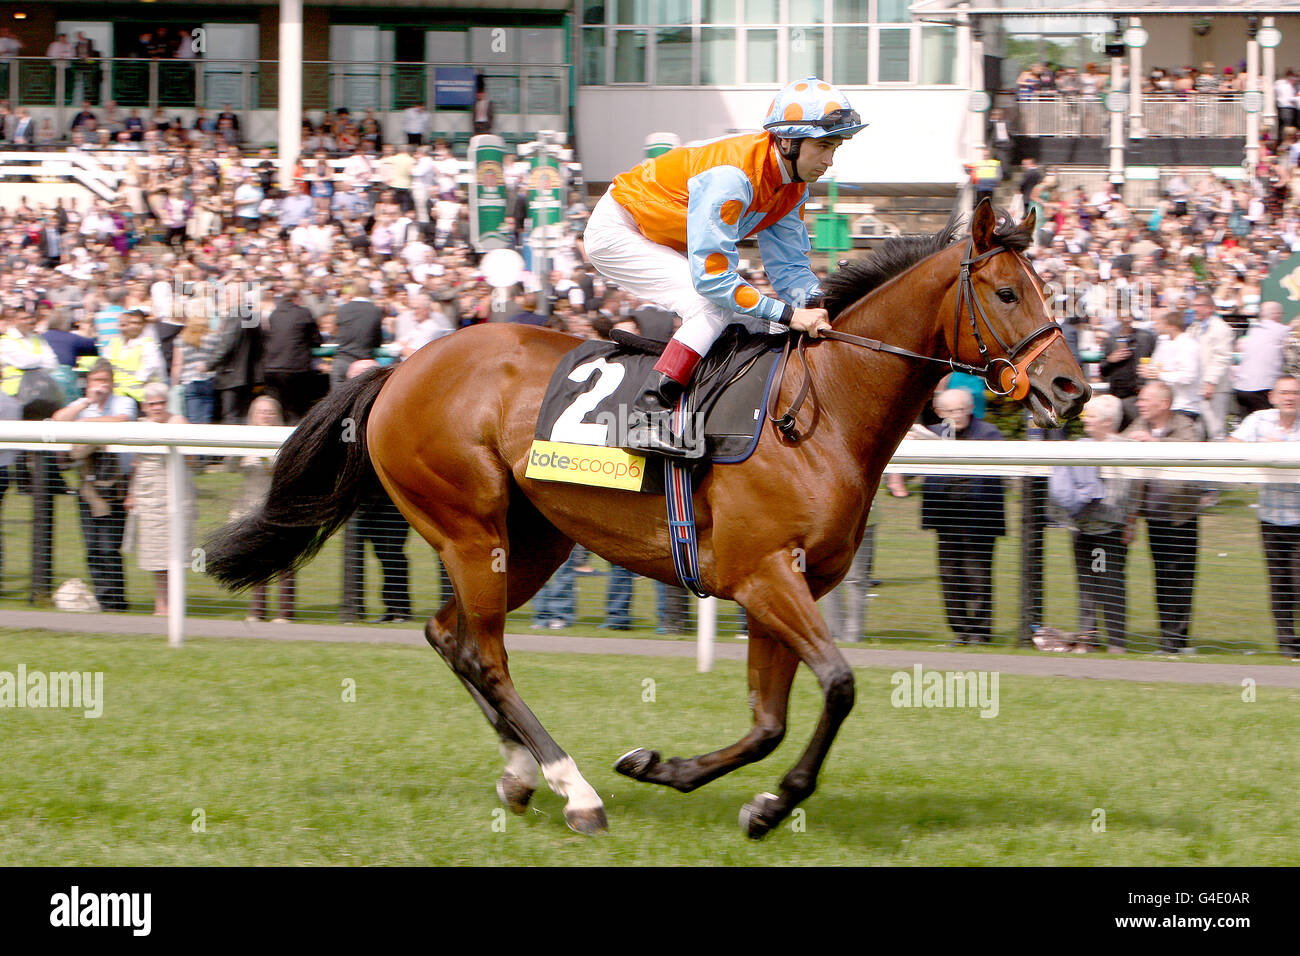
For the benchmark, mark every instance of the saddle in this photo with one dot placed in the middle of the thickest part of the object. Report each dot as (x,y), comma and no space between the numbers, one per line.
(592,390)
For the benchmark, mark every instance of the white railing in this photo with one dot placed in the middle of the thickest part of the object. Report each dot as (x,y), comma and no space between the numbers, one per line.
(1174,115)
(1193,461)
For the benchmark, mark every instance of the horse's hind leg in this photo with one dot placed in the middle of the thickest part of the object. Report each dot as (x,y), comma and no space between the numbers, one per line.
(518,781)
(477,560)
(771,673)
(549,549)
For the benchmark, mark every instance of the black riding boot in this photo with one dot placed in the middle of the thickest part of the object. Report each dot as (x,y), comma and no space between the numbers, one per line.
(650,427)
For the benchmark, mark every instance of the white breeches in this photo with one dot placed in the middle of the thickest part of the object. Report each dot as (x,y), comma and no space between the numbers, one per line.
(657,274)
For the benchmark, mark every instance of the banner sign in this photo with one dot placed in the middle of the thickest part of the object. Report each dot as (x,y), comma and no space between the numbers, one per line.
(454,86)
(585,465)
(545,190)
(488,196)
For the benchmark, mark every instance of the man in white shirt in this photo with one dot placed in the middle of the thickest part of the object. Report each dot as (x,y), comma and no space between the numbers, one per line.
(248,198)
(1279,511)
(422,182)
(1215,339)
(1176,362)
(60,49)
(1284,92)
(1261,359)
(358,169)
(415,124)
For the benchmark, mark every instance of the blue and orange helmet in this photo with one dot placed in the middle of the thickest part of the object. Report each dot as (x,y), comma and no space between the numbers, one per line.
(811,109)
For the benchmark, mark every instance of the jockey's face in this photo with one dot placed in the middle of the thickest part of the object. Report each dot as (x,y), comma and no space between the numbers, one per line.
(816,155)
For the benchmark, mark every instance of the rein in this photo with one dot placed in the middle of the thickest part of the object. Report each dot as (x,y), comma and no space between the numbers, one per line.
(1012,376)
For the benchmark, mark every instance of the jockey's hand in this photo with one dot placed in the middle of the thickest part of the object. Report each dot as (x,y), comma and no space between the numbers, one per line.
(812,321)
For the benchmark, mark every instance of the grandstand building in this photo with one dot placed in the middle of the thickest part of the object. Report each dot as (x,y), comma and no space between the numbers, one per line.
(926,74)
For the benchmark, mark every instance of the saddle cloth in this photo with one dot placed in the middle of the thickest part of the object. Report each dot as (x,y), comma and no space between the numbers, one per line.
(593,389)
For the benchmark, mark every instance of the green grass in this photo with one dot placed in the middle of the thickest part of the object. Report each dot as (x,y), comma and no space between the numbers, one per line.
(257,736)
(1231,612)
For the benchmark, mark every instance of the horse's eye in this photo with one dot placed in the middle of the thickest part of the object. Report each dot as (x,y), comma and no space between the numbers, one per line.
(1007,295)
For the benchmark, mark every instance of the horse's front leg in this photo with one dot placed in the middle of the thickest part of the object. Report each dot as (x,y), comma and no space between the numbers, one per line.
(771,672)
(780,599)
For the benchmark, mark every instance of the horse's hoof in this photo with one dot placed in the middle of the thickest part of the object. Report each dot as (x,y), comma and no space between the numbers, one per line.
(757,817)
(636,763)
(514,793)
(589,822)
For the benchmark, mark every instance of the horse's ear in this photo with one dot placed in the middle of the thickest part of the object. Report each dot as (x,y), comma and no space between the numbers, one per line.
(1028,226)
(983,226)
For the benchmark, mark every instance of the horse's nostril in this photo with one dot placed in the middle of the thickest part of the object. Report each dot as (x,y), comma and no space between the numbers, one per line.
(1070,389)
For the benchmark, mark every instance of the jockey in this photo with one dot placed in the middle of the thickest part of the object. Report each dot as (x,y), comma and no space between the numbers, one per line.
(668,231)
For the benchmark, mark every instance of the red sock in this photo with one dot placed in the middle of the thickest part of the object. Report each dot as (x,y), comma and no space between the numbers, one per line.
(678,362)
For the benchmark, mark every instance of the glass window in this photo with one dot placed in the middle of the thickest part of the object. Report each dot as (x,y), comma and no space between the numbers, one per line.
(761,11)
(670,12)
(807,11)
(503,91)
(629,55)
(593,11)
(760,56)
(805,58)
(445,46)
(851,64)
(541,45)
(895,56)
(938,54)
(851,11)
(717,56)
(673,57)
(593,56)
(892,11)
(632,11)
(718,11)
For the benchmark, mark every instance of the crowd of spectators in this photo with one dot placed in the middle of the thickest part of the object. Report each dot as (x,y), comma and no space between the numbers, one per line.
(1093,80)
(204,276)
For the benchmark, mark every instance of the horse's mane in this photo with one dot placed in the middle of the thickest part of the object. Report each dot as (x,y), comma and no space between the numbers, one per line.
(899,253)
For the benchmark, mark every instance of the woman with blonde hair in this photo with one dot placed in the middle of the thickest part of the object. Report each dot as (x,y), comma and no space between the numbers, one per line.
(194,360)
(265,411)
(147,501)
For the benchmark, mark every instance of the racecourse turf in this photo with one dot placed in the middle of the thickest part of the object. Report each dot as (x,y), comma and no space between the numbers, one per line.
(244,752)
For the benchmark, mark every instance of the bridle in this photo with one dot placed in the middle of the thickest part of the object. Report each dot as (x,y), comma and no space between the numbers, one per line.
(1005,375)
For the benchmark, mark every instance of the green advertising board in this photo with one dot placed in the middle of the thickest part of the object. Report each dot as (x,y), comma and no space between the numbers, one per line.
(488,196)
(832,228)
(1283,285)
(545,189)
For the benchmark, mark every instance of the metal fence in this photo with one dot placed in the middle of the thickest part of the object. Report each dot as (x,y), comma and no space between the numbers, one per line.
(1164,115)
(908,584)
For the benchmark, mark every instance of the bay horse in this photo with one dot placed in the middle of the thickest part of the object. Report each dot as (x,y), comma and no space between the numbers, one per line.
(447,435)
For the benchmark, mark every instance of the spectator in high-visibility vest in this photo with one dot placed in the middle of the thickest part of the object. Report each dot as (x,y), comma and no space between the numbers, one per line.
(985,174)
(22,350)
(136,357)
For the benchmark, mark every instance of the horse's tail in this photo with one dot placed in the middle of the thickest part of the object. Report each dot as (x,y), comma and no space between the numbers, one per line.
(323,472)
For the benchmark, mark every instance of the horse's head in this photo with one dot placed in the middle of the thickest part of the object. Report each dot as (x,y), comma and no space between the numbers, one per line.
(1002,323)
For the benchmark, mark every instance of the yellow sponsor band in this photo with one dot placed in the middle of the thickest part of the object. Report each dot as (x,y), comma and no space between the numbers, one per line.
(585,465)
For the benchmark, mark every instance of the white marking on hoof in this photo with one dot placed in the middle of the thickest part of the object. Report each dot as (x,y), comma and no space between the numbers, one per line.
(563,777)
(520,762)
